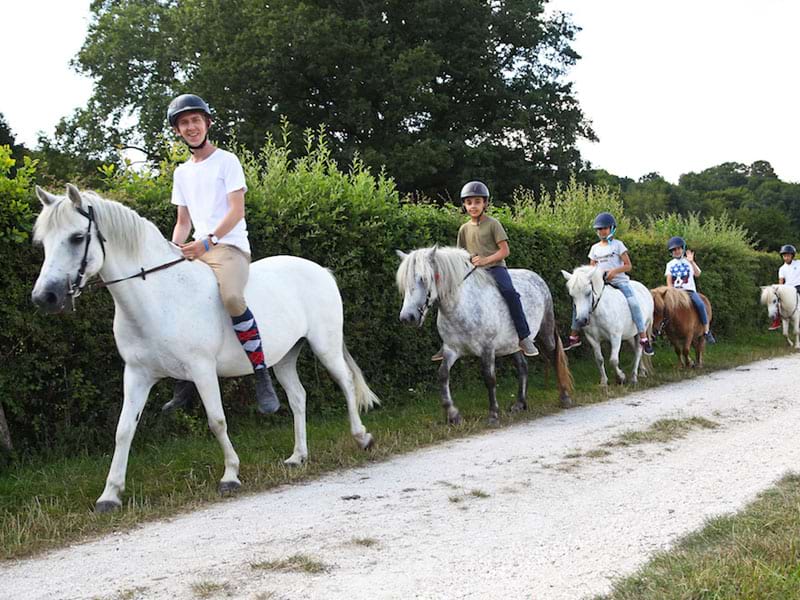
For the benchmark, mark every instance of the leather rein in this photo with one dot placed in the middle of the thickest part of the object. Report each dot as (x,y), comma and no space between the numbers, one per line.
(75,288)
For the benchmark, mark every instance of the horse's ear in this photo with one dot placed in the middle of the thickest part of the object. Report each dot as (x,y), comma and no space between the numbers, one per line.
(567,275)
(74,195)
(400,254)
(45,197)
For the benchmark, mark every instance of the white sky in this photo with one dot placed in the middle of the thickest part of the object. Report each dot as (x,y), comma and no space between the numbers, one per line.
(671,87)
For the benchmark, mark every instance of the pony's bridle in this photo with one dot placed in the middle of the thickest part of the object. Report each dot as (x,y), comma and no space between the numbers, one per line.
(75,288)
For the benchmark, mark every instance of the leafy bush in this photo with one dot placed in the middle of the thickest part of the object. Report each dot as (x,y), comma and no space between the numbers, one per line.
(61,376)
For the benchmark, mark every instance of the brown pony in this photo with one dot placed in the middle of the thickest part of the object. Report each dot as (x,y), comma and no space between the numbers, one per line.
(675,315)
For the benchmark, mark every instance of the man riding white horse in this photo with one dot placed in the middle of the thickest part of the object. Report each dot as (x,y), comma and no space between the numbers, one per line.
(208,190)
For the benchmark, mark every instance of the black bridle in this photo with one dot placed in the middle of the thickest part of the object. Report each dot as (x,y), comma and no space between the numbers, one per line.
(75,288)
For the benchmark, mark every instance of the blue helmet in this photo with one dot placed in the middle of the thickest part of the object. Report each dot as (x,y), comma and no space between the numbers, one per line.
(788,249)
(676,242)
(604,219)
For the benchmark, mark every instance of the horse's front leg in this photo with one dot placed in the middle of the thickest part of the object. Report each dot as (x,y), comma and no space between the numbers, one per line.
(137,384)
(490,379)
(205,378)
(598,358)
(450,410)
(785,326)
(522,379)
(613,358)
(796,332)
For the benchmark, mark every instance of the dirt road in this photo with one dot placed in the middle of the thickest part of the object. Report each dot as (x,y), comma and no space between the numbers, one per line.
(503,515)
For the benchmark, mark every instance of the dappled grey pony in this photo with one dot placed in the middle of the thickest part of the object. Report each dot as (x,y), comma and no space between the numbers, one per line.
(603,314)
(169,320)
(474,319)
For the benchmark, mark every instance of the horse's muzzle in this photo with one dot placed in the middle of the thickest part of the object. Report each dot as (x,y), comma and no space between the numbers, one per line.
(51,299)
(409,318)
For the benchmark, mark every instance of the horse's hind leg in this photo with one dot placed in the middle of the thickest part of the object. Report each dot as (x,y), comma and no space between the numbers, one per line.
(490,379)
(137,384)
(286,372)
(205,378)
(334,361)
(522,379)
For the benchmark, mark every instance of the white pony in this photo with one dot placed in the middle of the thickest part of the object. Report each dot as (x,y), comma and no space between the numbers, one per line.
(171,323)
(474,320)
(786,299)
(603,313)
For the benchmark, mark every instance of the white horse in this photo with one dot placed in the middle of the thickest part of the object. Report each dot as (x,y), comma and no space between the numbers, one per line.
(474,320)
(603,314)
(784,300)
(171,323)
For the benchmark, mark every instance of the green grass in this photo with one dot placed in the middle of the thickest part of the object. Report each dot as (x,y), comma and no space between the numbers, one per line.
(752,554)
(297,563)
(48,503)
(662,431)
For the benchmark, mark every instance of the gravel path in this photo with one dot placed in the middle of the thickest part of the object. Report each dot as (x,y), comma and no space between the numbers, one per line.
(502,515)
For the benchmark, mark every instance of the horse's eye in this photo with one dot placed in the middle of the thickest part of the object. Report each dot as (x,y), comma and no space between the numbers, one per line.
(76,238)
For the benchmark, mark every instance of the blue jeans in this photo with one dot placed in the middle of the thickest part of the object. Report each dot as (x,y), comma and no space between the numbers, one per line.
(699,305)
(636,312)
(511,297)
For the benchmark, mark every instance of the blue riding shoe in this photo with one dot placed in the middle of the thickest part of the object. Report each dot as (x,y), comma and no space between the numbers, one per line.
(268,402)
(710,337)
(647,347)
(573,341)
(528,348)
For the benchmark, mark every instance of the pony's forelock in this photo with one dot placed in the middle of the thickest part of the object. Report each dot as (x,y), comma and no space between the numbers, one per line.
(581,277)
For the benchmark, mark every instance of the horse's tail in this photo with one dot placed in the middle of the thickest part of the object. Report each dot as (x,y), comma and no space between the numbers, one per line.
(563,374)
(365,397)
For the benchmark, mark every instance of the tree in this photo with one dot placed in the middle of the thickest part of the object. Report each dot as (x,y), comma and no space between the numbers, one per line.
(18,151)
(438,91)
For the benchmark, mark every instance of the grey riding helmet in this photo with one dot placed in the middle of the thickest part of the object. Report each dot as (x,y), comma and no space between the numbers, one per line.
(185,103)
(788,249)
(475,188)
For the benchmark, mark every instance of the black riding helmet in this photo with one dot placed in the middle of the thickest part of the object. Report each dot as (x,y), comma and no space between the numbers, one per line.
(475,188)
(185,103)
(788,249)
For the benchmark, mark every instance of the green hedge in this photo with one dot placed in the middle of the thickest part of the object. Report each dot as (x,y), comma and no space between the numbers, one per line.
(61,377)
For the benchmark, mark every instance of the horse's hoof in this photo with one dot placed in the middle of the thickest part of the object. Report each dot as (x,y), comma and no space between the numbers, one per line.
(518,407)
(566,401)
(454,419)
(295,461)
(367,442)
(228,487)
(106,506)
(493,421)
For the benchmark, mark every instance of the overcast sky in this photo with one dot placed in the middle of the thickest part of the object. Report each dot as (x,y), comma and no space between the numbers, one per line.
(670,87)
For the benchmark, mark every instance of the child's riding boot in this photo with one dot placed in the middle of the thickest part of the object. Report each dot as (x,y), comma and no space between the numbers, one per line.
(776,323)
(183,396)
(268,402)
(438,356)
(710,337)
(573,341)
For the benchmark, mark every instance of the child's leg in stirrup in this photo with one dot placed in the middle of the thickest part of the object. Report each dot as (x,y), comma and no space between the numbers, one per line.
(700,307)
(511,297)
(636,314)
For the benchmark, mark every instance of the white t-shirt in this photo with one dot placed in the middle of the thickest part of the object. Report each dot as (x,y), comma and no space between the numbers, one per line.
(682,274)
(609,256)
(790,273)
(203,188)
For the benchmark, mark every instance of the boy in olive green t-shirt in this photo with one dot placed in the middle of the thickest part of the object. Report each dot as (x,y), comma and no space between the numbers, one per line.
(486,241)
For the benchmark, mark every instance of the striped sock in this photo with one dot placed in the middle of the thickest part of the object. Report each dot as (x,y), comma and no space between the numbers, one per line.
(247,332)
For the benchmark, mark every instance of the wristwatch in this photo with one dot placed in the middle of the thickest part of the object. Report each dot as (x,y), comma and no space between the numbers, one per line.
(214,239)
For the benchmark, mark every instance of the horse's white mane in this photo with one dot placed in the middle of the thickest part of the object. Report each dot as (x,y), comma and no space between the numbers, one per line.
(784,293)
(450,264)
(582,277)
(120,225)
